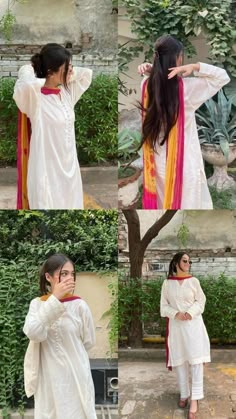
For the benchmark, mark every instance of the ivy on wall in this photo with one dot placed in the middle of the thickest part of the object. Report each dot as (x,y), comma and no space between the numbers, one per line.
(8,19)
(212,18)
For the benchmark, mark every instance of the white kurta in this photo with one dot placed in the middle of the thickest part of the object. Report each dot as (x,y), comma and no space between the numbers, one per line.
(188,339)
(197,90)
(53,179)
(65,387)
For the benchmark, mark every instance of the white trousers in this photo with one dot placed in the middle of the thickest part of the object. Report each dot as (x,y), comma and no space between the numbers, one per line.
(197,381)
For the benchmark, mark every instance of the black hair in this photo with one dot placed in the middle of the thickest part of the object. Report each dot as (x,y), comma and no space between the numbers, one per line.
(174,262)
(54,262)
(50,59)
(163,93)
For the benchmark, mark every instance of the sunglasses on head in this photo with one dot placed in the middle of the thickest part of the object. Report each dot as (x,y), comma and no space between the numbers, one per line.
(187,261)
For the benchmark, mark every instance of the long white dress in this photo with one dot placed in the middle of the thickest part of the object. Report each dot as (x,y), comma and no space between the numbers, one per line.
(64,387)
(54,179)
(188,339)
(197,90)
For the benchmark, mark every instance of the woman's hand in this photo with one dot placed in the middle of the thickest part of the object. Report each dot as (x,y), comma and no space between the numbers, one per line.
(64,287)
(145,68)
(188,316)
(180,316)
(185,70)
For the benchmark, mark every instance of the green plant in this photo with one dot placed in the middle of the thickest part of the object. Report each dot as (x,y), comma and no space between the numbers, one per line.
(128,143)
(217,123)
(8,19)
(8,126)
(221,199)
(183,234)
(151,19)
(114,320)
(96,121)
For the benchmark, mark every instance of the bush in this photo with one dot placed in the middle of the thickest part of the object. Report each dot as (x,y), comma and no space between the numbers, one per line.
(95,124)
(219,315)
(88,237)
(96,121)
(8,125)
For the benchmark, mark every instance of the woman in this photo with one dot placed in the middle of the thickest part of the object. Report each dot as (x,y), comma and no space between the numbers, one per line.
(187,342)
(60,328)
(174,175)
(47,91)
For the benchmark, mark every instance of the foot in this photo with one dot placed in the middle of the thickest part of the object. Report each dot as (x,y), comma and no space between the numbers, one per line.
(193,409)
(183,403)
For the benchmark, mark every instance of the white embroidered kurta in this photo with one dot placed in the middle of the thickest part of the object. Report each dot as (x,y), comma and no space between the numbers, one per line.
(197,90)
(65,387)
(53,179)
(188,339)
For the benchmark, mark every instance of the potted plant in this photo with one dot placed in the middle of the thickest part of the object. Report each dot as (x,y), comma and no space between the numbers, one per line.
(217,134)
(128,174)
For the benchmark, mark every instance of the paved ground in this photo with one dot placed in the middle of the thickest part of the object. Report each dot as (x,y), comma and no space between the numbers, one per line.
(149,391)
(100,187)
(103,412)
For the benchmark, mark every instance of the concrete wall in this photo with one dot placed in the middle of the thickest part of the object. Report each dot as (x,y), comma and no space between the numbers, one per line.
(89,27)
(211,242)
(93,288)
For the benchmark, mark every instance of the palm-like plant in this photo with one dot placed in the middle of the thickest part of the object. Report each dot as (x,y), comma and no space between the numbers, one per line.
(217,123)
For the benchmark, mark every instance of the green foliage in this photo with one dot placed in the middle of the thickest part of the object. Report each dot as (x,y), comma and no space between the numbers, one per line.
(183,234)
(18,285)
(8,125)
(151,19)
(96,121)
(219,315)
(114,319)
(6,24)
(221,199)
(217,123)
(95,124)
(89,238)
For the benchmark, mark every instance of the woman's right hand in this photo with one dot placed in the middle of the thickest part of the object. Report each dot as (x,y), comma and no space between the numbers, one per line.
(66,286)
(180,316)
(145,68)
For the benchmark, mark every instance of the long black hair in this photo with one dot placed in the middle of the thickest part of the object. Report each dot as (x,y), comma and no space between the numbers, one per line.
(50,59)
(174,262)
(163,93)
(54,262)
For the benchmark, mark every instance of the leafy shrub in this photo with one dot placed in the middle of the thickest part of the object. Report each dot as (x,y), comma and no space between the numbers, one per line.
(88,237)
(95,125)
(96,121)
(219,315)
(8,125)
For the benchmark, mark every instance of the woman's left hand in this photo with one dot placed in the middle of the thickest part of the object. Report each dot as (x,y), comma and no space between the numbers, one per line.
(188,316)
(185,70)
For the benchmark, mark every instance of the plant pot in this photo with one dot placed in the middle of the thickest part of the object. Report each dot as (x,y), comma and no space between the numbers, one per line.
(213,155)
(128,190)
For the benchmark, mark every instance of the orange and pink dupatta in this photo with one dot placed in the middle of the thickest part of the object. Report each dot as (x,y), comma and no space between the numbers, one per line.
(23,141)
(174,161)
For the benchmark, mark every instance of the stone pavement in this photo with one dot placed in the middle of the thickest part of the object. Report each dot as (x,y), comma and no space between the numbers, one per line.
(149,391)
(103,412)
(100,187)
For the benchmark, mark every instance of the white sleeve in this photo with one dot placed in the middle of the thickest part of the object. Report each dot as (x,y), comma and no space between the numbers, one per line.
(79,82)
(26,90)
(88,330)
(200,300)
(41,316)
(166,309)
(208,81)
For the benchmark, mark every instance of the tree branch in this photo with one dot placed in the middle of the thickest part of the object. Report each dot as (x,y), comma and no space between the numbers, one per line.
(154,230)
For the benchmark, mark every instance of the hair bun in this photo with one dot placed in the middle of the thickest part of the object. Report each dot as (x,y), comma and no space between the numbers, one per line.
(36,61)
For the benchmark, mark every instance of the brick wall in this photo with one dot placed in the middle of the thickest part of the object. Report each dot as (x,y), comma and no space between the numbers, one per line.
(14,56)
